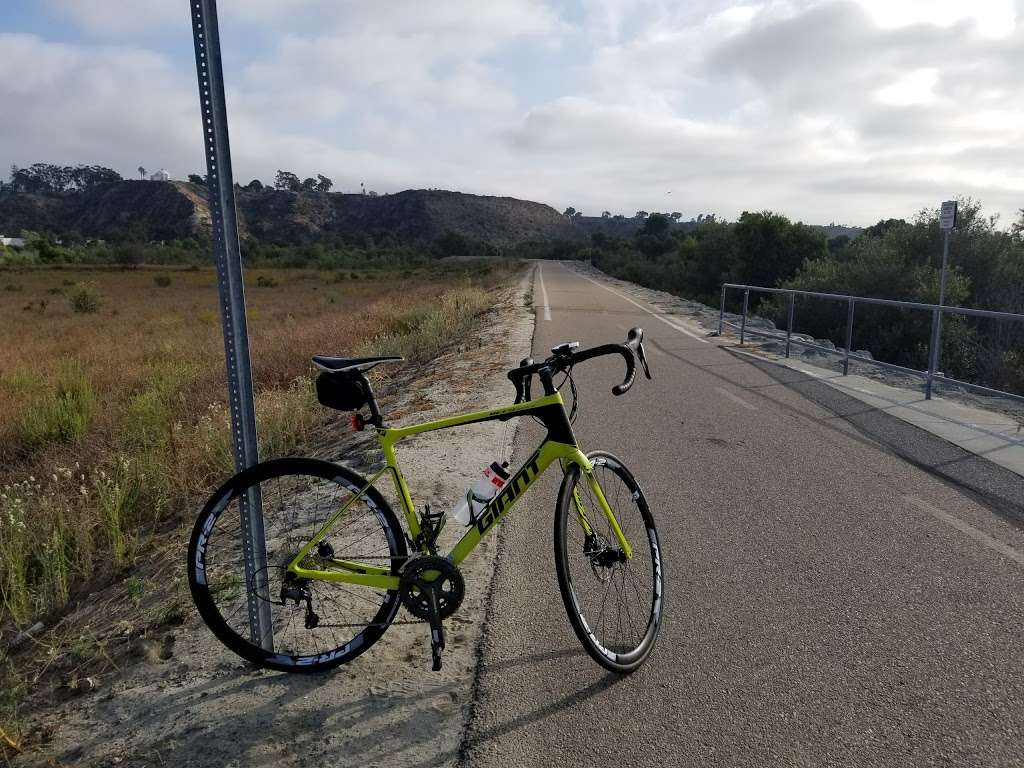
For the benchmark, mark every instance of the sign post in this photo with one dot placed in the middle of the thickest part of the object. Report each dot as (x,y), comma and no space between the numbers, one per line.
(226,253)
(947,222)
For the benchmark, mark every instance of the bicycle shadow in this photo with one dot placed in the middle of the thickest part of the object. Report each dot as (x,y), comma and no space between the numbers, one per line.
(256,718)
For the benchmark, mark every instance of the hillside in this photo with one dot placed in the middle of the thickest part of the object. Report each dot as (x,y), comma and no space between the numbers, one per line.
(152,210)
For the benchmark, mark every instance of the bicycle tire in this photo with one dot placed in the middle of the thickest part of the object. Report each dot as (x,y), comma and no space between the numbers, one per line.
(625,650)
(216,582)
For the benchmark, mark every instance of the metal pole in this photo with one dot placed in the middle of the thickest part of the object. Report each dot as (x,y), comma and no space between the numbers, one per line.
(221,194)
(849,336)
(789,323)
(743,323)
(721,312)
(936,338)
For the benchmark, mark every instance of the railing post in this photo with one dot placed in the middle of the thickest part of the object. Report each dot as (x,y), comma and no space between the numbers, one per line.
(933,352)
(849,336)
(721,312)
(743,322)
(789,323)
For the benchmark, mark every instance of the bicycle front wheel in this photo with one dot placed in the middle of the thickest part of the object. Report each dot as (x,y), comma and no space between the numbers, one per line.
(614,602)
(314,625)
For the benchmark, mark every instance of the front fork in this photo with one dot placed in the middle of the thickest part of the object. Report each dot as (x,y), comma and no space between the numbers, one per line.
(602,502)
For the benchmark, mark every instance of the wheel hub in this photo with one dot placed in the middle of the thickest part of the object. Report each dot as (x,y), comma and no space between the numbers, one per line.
(603,556)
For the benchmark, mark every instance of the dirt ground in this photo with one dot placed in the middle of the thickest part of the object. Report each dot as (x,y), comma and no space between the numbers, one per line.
(183,699)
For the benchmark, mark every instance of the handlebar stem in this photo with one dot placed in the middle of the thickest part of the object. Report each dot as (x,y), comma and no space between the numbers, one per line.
(547,380)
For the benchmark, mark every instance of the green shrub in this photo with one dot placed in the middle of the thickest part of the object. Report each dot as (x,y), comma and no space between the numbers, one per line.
(61,414)
(162,281)
(150,412)
(12,287)
(85,299)
(266,281)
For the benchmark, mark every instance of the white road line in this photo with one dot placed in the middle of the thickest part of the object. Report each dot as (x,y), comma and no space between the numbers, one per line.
(544,292)
(735,398)
(970,530)
(658,315)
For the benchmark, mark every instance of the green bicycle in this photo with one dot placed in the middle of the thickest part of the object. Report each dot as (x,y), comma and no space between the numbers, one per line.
(338,563)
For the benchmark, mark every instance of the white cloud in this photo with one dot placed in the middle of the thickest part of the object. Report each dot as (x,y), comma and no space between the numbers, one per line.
(824,110)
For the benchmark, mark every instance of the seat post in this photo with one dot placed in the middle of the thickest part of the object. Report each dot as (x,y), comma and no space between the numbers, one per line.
(375,418)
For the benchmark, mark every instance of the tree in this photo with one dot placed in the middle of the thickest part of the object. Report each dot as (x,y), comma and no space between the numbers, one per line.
(771,248)
(676,216)
(606,214)
(86,176)
(640,215)
(195,178)
(286,180)
(653,239)
(569,212)
(142,173)
(254,186)
(451,243)
(323,183)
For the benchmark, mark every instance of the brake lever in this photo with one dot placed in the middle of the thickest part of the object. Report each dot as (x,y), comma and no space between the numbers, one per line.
(643,359)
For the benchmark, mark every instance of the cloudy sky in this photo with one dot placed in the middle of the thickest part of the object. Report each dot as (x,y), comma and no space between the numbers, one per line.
(827,111)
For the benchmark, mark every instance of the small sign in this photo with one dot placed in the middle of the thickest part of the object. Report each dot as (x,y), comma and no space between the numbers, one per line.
(947,215)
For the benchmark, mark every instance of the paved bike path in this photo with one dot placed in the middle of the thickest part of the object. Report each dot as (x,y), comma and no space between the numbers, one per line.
(826,601)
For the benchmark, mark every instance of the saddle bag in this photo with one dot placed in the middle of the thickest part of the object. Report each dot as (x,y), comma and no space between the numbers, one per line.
(341,391)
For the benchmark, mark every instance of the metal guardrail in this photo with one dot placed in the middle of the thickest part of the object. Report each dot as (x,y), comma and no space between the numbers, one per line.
(935,338)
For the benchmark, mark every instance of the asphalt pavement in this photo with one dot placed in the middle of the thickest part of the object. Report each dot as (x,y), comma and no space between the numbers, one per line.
(827,601)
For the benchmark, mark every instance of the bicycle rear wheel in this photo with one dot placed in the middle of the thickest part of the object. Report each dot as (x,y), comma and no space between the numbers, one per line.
(315,625)
(614,603)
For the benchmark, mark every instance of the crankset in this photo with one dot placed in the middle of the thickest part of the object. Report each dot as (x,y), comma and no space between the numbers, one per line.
(432,588)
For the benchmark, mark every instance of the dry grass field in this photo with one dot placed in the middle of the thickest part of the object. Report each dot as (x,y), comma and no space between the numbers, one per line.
(113,424)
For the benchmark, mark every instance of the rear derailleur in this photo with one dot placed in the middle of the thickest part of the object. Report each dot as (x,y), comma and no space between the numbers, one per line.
(296,589)
(432,588)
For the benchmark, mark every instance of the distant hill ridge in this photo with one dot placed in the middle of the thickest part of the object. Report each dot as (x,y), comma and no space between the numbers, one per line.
(170,210)
(155,210)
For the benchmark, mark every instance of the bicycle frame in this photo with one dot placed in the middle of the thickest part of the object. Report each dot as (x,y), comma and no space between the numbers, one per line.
(559,445)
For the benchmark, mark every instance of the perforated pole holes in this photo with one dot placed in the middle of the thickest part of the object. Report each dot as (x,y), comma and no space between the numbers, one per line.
(220,192)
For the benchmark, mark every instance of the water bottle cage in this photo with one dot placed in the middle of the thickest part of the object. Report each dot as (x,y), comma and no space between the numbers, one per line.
(472,497)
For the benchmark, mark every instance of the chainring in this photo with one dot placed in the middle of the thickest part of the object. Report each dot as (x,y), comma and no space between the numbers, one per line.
(429,572)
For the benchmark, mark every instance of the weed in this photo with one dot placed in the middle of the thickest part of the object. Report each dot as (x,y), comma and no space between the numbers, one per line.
(135,588)
(285,417)
(117,496)
(421,333)
(61,414)
(15,548)
(12,691)
(150,412)
(12,287)
(162,281)
(55,291)
(85,299)
(266,281)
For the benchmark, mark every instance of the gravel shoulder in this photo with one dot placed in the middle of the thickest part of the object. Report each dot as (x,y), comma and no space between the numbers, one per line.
(182,699)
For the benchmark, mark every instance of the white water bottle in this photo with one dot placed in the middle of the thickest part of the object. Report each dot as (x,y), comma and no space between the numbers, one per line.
(481,492)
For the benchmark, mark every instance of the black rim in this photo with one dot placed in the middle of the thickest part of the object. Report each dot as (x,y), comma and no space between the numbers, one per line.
(616,602)
(315,624)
